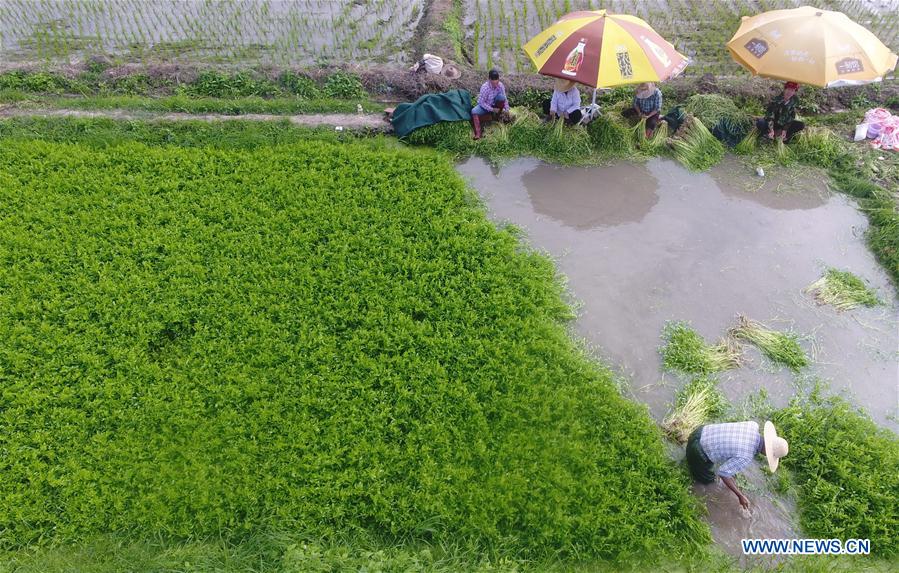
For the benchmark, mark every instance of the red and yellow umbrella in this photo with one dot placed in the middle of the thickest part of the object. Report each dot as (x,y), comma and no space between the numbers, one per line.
(598,49)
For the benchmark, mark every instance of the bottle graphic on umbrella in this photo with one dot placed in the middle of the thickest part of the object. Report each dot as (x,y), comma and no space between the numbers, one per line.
(574,59)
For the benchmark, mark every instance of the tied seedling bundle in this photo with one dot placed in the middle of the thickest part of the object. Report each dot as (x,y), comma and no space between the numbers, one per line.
(716,110)
(748,144)
(610,133)
(638,133)
(697,403)
(817,146)
(781,153)
(568,143)
(779,347)
(686,351)
(654,144)
(695,146)
(842,290)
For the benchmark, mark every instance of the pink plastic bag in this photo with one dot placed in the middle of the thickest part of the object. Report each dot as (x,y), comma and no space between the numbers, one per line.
(875,119)
(889,135)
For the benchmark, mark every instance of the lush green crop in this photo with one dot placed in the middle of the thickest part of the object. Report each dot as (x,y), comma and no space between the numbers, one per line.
(319,337)
(847,472)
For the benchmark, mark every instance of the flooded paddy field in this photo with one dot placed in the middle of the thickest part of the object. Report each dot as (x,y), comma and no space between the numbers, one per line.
(229,31)
(697,28)
(643,244)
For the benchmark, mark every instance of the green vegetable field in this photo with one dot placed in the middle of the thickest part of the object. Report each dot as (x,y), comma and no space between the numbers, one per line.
(326,338)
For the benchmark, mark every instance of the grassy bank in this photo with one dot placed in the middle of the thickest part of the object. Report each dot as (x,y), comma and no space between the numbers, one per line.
(201,91)
(204,82)
(326,338)
(846,470)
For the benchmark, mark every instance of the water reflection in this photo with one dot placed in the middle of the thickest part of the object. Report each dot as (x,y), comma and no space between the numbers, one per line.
(581,199)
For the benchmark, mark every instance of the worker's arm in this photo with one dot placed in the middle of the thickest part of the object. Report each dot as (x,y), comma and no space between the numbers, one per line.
(732,485)
(769,117)
(554,105)
(484,99)
(728,470)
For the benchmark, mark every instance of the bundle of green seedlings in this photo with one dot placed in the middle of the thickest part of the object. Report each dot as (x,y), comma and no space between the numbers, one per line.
(695,147)
(713,109)
(686,351)
(697,403)
(611,136)
(553,141)
(748,144)
(842,290)
(652,145)
(638,133)
(817,146)
(783,155)
(657,143)
(779,347)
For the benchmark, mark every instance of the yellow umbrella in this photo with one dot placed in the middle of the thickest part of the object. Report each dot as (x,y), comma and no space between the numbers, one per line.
(598,49)
(810,46)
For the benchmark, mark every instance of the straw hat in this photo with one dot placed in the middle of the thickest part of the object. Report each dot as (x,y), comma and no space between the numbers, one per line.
(451,71)
(775,446)
(646,89)
(563,85)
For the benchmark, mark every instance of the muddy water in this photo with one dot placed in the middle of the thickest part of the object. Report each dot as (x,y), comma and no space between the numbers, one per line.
(642,244)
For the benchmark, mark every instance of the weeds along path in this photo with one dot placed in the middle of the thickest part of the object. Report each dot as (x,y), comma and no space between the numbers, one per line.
(345,120)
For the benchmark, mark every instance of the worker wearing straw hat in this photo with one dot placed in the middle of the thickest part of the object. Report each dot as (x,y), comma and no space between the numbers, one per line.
(732,447)
(647,105)
(565,103)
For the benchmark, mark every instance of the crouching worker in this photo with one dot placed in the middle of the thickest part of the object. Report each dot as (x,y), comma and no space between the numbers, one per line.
(491,100)
(647,105)
(732,448)
(565,103)
(780,118)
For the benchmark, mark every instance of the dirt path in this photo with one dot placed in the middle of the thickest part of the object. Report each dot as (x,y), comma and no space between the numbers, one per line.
(336,120)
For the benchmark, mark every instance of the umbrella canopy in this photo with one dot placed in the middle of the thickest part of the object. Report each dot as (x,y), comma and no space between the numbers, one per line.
(598,49)
(810,46)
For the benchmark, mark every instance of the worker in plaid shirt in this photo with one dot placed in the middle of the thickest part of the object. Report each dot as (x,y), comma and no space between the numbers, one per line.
(732,447)
(491,100)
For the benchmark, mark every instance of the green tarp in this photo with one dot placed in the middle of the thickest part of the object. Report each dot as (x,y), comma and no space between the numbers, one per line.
(429,109)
